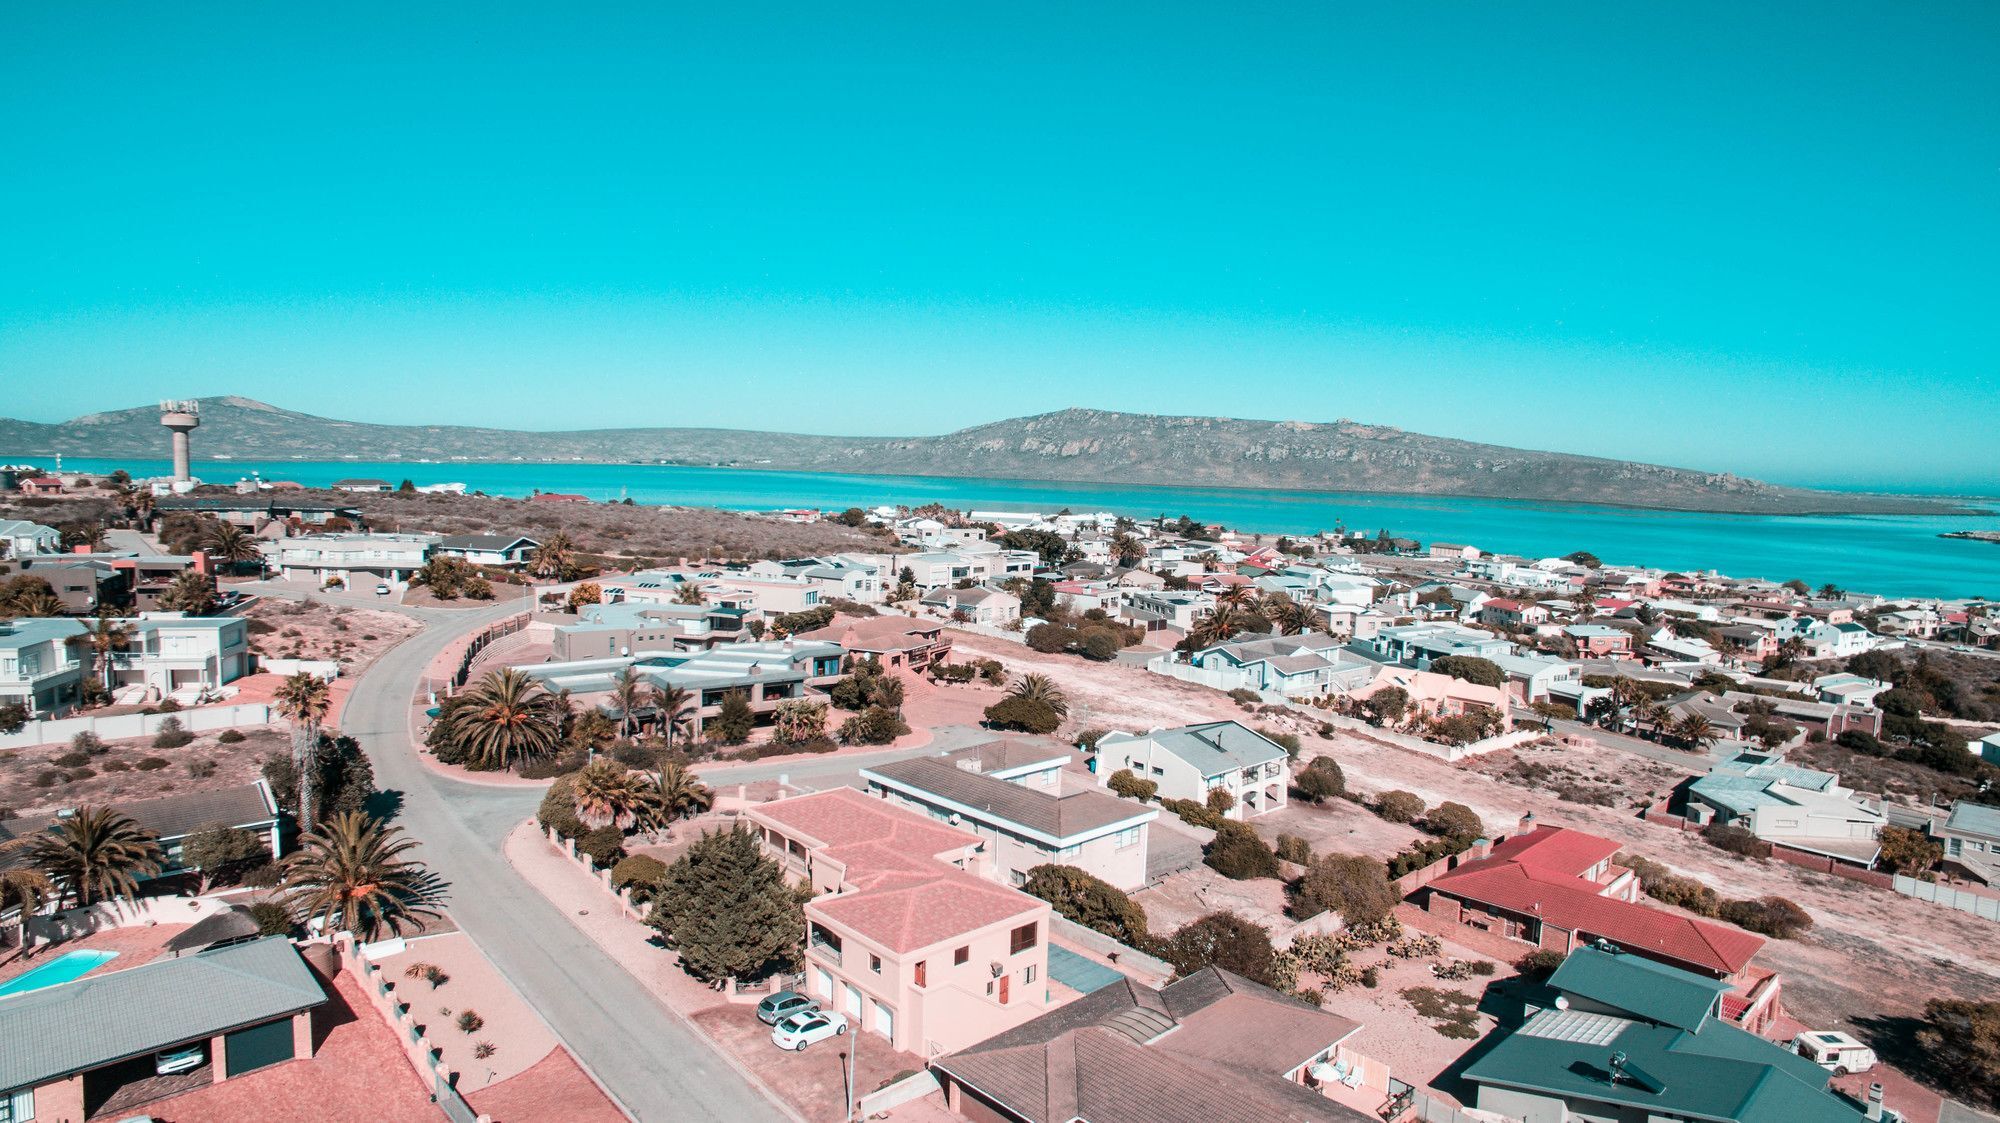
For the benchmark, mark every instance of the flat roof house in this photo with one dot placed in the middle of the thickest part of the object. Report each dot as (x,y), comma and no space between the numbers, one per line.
(1191,760)
(1025,822)
(1213,1047)
(898,642)
(904,934)
(510,550)
(768,673)
(1631,1039)
(72,1046)
(39,664)
(349,557)
(1803,808)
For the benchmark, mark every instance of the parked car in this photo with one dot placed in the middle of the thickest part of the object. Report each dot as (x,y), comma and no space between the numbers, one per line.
(383,589)
(1836,1052)
(783,1005)
(801,1030)
(167,1062)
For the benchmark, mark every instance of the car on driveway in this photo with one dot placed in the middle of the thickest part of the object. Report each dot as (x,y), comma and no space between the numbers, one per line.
(801,1030)
(783,1005)
(383,589)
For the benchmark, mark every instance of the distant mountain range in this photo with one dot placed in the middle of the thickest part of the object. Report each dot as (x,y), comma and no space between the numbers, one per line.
(1097,446)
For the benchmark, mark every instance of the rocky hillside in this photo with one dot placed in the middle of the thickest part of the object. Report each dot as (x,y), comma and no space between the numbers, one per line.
(1084,445)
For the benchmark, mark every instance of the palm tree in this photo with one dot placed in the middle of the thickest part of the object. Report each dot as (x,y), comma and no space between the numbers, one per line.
(1041,688)
(1697,731)
(1288,616)
(38,602)
(229,543)
(22,886)
(84,534)
(607,794)
(106,635)
(352,875)
(689,593)
(554,558)
(1235,596)
(673,704)
(303,700)
(140,499)
(504,720)
(96,854)
(1221,625)
(673,793)
(191,592)
(626,690)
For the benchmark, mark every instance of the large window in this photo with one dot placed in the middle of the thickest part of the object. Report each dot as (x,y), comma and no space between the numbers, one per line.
(1021,939)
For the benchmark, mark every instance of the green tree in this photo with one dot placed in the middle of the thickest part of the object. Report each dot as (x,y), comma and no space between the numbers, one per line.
(218,850)
(1908,852)
(304,700)
(191,592)
(1320,780)
(1237,853)
(1454,820)
(96,854)
(673,705)
(672,794)
(1090,901)
(1357,888)
(354,875)
(798,720)
(1470,668)
(1399,806)
(505,720)
(606,793)
(726,909)
(733,722)
(1025,714)
(231,545)
(627,690)
(106,635)
(1221,939)
(23,887)
(1961,1047)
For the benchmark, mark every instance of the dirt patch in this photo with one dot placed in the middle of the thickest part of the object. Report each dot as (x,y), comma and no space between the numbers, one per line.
(1104,695)
(355,637)
(33,780)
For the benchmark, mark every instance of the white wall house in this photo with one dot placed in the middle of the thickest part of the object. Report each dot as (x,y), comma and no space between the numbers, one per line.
(1803,808)
(40,667)
(1191,760)
(19,538)
(508,550)
(169,652)
(352,558)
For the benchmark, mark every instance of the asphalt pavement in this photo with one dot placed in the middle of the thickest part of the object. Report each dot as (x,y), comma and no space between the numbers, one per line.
(653,1064)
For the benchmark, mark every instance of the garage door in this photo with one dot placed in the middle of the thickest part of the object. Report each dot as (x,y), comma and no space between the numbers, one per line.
(249,1049)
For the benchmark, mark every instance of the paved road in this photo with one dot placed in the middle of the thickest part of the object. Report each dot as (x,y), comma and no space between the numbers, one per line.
(1637,746)
(837,771)
(653,1064)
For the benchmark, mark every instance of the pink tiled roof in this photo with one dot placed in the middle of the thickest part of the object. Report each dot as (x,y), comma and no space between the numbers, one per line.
(876,633)
(852,825)
(1537,874)
(907,911)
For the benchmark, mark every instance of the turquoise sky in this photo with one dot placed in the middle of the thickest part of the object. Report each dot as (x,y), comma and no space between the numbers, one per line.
(1758,238)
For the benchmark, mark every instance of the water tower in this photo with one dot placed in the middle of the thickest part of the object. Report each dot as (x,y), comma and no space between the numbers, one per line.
(183,418)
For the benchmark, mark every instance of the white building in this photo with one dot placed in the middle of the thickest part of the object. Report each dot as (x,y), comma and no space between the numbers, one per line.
(1190,761)
(349,558)
(170,653)
(1803,808)
(18,537)
(40,668)
(508,550)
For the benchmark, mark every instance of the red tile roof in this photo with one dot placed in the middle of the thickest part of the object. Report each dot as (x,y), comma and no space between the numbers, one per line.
(853,825)
(877,633)
(1539,874)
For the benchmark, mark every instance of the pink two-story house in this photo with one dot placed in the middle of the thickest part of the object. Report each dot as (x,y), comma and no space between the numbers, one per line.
(905,934)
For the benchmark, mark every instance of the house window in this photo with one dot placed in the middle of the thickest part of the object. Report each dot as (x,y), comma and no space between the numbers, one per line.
(875,964)
(1021,939)
(1028,974)
(959,957)
(1069,851)
(17,1107)
(1127,837)
(1158,771)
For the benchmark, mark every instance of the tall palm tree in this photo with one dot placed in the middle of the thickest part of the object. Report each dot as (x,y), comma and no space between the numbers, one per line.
(1235,596)
(1221,625)
(627,689)
(607,794)
(1697,731)
(304,700)
(106,634)
(504,720)
(1041,688)
(96,854)
(191,592)
(689,593)
(673,793)
(1288,616)
(228,543)
(38,602)
(22,885)
(554,558)
(673,703)
(352,874)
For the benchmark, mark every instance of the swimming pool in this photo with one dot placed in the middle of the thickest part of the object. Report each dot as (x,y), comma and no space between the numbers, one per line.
(67,967)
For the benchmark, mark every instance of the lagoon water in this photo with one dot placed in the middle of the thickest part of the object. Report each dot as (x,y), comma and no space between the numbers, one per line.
(1891,555)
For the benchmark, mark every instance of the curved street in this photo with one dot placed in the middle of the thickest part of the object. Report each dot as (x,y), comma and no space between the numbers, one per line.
(651,1062)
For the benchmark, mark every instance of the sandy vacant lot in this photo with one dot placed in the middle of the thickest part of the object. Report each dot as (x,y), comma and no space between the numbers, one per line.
(309,630)
(31,780)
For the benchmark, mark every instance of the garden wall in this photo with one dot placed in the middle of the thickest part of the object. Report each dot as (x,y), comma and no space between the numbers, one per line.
(196,719)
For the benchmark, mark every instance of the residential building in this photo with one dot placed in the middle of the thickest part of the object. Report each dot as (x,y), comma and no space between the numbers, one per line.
(1437,695)
(1308,665)
(71,1046)
(1535,678)
(904,933)
(172,653)
(765,673)
(1803,808)
(509,550)
(1556,888)
(1213,1047)
(1419,645)
(1027,820)
(604,631)
(82,583)
(1857,690)
(19,537)
(256,512)
(897,642)
(350,558)
(1599,641)
(1190,761)
(1632,1039)
(1155,610)
(1513,615)
(977,605)
(362,485)
(40,665)
(838,576)
(1970,836)
(172,818)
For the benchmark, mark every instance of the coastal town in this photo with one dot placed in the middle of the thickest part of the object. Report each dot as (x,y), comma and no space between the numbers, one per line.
(497,809)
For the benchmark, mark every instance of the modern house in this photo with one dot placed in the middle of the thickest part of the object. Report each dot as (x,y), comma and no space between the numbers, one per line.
(1556,888)
(1308,665)
(1190,761)
(40,667)
(349,558)
(897,642)
(362,484)
(82,583)
(1022,813)
(1419,645)
(508,550)
(1970,836)
(172,818)
(1802,808)
(838,576)
(1213,1047)
(764,673)
(1631,1039)
(72,1046)
(604,631)
(173,653)
(977,605)
(1599,641)
(905,934)
(19,538)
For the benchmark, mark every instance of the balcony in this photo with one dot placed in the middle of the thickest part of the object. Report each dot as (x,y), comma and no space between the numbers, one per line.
(826,945)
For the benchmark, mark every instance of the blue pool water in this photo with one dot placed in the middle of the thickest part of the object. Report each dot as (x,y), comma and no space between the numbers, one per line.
(1895,555)
(64,968)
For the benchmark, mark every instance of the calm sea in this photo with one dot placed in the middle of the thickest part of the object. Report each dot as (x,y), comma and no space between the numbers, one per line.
(1891,555)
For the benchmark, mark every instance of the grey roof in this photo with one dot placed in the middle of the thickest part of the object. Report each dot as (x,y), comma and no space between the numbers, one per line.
(1053,816)
(226,927)
(31,630)
(176,816)
(484,541)
(1004,754)
(1212,748)
(1974,818)
(99,1019)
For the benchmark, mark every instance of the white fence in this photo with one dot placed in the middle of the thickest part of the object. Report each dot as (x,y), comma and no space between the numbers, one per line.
(198,719)
(915,1086)
(328,669)
(1978,904)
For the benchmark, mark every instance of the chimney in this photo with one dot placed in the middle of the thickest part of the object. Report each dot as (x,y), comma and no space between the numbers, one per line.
(200,563)
(1874,1109)
(1480,848)
(1527,823)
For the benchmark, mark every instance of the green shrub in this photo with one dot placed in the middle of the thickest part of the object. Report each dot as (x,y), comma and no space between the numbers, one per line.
(1735,840)
(876,725)
(605,846)
(1089,901)
(558,810)
(1320,780)
(1287,741)
(1293,849)
(1399,806)
(642,873)
(152,763)
(1776,917)
(230,737)
(90,744)
(72,759)
(1539,964)
(1194,814)
(1126,783)
(1453,820)
(1354,886)
(272,918)
(1237,853)
(1220,800)
(171,734)
(1028,715)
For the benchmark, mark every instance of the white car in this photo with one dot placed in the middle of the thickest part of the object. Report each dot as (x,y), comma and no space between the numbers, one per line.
(168,1062)
(1836,1052)
(801,1030)
(383,590)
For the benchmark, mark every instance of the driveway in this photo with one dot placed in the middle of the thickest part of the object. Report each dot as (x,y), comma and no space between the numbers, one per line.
(653,1064)
(839,769)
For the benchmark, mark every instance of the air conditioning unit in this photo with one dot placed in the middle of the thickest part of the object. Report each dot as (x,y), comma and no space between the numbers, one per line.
(998,968)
